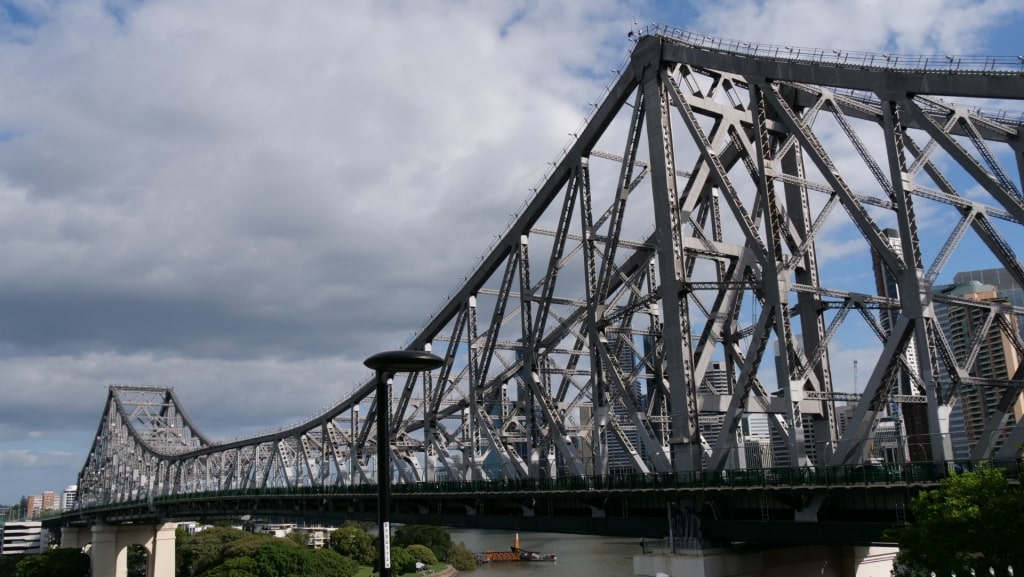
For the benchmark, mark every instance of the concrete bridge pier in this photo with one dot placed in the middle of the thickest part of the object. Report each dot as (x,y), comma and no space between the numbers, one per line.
(109,547)
(802,561)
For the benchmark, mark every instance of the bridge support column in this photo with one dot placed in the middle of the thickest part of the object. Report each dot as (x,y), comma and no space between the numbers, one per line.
(808,561)
(161,558)
(104,552)
(75,537)
(110,548)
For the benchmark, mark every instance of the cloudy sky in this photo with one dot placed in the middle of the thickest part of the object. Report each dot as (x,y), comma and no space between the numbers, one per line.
(243,200)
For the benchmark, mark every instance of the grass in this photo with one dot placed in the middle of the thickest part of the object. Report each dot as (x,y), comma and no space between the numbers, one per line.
(366,571)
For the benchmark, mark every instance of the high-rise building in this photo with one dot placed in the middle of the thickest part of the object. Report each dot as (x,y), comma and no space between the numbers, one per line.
(658,425)
(844,416)
(757,442)
(756,425)
(757,453)
(585,448)
(1006,288)
(716,382)
(619,459)
(888,441)
(49,501)
(996,359)
(533,416)
(910,421)
(957,434)
(68,498)
(780,445)
(1001,280)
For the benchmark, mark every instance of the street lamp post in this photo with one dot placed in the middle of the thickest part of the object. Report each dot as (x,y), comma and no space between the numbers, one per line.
(386,364)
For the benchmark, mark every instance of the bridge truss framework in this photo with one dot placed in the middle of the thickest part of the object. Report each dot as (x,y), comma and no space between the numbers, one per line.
(746,190)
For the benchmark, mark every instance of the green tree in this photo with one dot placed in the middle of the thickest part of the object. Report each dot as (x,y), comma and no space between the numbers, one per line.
(366,526)
(138,561)
(237,567)
(280,558)
(53,563)
(327,562)
(7,564)
(973,520)
(436,538)
(354,542)
(181,539)
(402,561)
(422,553)
(246,546)
(265,556)
(204,550)
(462,558)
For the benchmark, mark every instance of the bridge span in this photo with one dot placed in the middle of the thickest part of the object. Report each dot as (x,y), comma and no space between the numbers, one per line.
(617,331)
(767,506)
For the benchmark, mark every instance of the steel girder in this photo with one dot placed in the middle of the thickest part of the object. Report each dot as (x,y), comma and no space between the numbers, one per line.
(582,341)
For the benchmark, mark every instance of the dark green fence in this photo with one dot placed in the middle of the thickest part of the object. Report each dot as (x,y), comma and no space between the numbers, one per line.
(881,474)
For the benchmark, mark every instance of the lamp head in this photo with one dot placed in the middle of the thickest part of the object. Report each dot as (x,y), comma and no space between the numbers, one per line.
(403,361)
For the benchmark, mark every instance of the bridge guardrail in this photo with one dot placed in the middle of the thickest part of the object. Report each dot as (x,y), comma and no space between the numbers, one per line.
(948,63)
(867,475)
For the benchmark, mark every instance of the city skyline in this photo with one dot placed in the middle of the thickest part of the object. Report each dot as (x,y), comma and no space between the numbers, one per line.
(245,204)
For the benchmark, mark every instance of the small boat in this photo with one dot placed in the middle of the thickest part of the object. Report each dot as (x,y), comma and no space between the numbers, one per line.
(514,554)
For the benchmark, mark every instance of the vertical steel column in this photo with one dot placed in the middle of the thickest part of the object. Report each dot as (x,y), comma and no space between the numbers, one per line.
(678,360)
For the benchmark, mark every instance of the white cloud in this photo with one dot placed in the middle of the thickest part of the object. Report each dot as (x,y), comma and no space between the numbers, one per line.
(31,459)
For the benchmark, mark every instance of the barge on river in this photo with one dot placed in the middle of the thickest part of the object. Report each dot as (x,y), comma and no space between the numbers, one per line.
(514,554)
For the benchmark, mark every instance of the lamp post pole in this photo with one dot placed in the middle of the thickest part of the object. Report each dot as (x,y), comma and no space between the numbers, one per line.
(385,365)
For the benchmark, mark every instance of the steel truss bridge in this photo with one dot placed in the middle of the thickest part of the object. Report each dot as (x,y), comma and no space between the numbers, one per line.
(717,206)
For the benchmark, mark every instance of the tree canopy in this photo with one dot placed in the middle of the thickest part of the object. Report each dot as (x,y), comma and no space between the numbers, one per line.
(435,538)
(402,561)
(197,553)
(462,558)
(224,552)
(422,554)
(228,552)
(51,563)
(974,520)
(352,541)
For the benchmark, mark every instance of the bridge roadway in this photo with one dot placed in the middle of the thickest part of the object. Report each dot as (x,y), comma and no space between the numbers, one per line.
(847,505)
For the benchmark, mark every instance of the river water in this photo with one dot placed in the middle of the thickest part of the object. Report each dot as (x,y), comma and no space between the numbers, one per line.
(584,555)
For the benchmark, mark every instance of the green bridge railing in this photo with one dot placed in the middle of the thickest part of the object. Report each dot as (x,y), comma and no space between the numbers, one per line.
(875,474)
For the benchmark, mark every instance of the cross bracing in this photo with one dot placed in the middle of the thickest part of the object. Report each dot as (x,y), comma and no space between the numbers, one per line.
(719,205)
